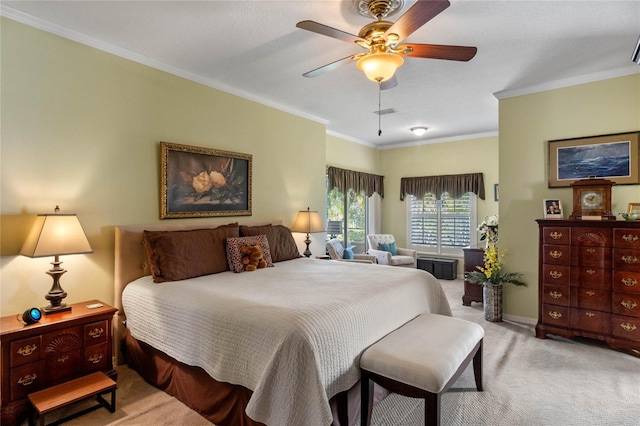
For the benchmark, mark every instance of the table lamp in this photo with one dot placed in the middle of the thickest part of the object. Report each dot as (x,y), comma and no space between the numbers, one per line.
(55,235)
(307,222)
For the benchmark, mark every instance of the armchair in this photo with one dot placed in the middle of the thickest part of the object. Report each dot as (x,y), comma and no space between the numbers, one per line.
(404,257)
(336,251)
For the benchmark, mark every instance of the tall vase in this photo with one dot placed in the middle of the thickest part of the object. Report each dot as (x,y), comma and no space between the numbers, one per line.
(492,302)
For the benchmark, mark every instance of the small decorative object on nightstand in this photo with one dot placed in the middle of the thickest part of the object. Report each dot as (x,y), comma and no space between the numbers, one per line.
(54,235)
(592,198)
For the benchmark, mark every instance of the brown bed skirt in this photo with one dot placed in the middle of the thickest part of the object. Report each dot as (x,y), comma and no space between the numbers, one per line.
(221,403)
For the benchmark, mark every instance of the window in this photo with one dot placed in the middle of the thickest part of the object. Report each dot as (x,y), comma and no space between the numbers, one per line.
(355,212)
(441,226)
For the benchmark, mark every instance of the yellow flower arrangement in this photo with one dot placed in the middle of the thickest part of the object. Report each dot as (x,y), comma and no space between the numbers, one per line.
(491,273)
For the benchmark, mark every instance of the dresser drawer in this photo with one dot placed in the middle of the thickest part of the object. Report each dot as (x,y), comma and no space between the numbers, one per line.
(62,366)
(625,327)
(96,357)
(95,333)
(591,237)
(25,379)
(556,255)
(591,298)
(25,351)
(62,341)
(556,295)
(626,259)
(555,315)
(593,257)
(591,320)
(590,277)
(556,235)
(626,304)
(626,281)
(626,238)
(556,274)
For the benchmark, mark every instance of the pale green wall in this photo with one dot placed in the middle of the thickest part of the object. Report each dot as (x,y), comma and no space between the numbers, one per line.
(81,128)
(465,156)
(527,123)
(352,156)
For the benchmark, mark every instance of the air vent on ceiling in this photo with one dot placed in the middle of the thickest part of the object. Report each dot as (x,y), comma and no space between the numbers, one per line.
(385,111)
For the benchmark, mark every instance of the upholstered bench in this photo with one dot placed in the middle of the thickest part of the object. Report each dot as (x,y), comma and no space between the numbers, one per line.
(421,359)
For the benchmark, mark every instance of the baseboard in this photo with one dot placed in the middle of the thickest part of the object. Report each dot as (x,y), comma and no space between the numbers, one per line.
(521,320)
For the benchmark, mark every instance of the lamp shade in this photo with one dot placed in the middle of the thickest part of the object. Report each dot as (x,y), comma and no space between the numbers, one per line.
(334,227)
(308,221)
(380,67)
(56,234)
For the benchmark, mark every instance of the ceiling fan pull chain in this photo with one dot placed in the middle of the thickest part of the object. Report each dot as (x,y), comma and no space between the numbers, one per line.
(379,107)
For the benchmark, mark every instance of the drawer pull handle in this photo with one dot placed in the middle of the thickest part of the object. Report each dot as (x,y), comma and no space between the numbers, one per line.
(555,274)
(27,380)
(96,332)
(590,314)
(629,304)
(590,292)
(555,254)
(63,358)
(556,235)
(627,326)
(630,238)
(555,315)
(591,250)
(555,294)
(590,271)
(630,259)
(27,350)
(95,358)
(629,282)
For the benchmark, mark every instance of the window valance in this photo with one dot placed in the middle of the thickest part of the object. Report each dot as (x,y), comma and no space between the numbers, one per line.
(358,181)
(455,185)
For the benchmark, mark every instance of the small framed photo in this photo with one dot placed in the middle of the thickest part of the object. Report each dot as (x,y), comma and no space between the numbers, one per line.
(634,208)
(552,209)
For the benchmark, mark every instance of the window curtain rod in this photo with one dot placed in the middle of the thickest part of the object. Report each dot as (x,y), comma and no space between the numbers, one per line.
(455,185)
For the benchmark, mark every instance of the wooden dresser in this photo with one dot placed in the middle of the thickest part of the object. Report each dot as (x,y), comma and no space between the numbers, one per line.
(589,281)
(473,257)
(61,347)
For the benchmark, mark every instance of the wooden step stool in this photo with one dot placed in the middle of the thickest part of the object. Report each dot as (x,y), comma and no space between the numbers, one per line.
(58,396)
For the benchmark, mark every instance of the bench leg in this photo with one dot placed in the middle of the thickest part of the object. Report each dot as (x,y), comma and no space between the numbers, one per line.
(366,399)
(477,367)
(432,409)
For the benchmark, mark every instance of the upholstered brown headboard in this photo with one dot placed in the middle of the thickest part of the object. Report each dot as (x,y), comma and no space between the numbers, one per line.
(131,261)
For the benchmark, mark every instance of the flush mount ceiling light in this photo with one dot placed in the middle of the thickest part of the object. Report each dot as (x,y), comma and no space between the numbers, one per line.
(419,131)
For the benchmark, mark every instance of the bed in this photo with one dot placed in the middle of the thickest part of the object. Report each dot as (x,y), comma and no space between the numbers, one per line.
(276,346)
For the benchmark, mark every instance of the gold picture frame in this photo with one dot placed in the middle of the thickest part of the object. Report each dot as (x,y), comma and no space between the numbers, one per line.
(634,208)
(203,182)
(613,157)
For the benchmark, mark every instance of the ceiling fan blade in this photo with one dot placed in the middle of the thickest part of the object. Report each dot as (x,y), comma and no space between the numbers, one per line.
(440,51)
(389,84)
(417,15)
(322,29)
(330,67)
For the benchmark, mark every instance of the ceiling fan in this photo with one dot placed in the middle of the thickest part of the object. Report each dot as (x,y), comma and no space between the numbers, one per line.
(382,40)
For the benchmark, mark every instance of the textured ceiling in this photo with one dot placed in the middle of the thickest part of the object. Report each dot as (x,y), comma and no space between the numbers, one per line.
(253,49)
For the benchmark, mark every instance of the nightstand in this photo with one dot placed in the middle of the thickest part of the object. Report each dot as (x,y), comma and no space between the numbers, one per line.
(61,347)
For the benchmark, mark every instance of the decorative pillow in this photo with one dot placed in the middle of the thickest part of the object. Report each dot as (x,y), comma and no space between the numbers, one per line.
(178,255)
(234,254)
(281,242)
(348,253)
(391,248)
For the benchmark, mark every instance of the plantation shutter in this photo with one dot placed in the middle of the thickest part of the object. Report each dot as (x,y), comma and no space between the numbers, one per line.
(446,220)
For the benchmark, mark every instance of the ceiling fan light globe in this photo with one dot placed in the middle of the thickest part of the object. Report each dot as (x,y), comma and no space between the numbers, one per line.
(380,67)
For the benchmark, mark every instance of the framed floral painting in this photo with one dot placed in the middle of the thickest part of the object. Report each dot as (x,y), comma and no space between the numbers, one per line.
(203,182)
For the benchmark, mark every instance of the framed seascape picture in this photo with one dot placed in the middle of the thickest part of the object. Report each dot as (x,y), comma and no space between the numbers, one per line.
(553,209)
(613,157)
(203,182)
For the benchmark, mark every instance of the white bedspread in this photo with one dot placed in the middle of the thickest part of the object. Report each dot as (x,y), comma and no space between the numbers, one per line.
(292,333)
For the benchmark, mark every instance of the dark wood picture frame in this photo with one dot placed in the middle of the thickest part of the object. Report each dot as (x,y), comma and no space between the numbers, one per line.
(614,157)
(203,182)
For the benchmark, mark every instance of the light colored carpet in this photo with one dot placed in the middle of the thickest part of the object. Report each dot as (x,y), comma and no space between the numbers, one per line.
(527,381)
